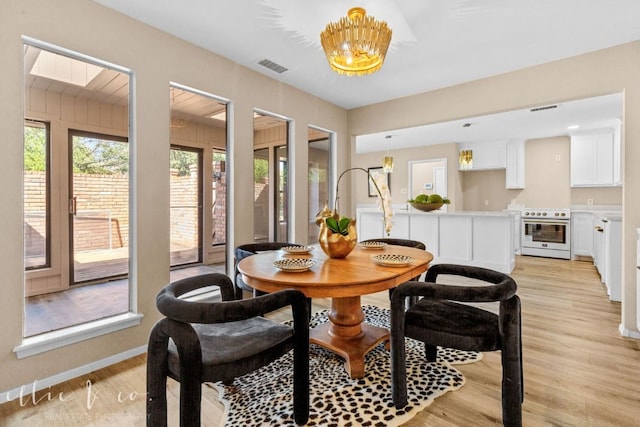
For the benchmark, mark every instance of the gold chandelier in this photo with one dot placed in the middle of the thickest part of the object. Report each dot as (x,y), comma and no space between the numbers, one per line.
(356,45)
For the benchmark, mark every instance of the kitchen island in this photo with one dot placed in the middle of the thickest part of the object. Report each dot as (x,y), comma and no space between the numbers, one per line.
(483,239)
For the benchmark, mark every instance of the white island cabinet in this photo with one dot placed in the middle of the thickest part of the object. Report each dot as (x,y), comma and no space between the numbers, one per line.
(483,239)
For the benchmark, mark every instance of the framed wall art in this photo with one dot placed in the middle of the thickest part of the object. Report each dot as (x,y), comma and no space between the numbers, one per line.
(374,172)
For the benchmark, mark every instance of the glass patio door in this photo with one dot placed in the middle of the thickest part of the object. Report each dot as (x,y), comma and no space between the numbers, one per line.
(98,207)
(185,206)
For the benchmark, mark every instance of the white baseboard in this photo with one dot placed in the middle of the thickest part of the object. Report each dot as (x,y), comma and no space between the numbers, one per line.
(27,389)
(628,333)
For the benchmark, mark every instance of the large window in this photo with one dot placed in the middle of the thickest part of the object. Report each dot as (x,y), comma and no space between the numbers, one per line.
(198,178)
(271,177)
(76,189)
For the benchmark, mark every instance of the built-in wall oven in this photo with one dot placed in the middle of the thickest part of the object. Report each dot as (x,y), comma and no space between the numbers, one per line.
(546,232)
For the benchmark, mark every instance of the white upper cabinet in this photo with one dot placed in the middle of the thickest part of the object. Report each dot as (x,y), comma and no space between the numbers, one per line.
(487,155)
(595,159)
(515,164)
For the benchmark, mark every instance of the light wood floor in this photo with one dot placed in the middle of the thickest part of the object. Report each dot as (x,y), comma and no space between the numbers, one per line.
(578,370)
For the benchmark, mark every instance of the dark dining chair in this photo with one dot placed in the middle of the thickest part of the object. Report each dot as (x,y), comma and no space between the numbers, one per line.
(401,242)
(441,318)
(243,251)
(218,341)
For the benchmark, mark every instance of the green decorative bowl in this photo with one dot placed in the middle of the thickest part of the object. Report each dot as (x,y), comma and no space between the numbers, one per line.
(426,207)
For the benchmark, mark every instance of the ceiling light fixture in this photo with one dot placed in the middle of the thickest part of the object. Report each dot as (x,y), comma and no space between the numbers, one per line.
(387,161)
(356,45)
(466,159)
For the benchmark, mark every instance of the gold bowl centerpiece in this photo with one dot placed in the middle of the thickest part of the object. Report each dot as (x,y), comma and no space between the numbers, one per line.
(338,235)
(427,203)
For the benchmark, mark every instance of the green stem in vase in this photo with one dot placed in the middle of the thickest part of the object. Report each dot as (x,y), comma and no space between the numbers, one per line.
(387,220)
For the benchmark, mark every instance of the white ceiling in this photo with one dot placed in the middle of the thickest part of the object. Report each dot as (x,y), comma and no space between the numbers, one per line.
(435,44)
(561,119)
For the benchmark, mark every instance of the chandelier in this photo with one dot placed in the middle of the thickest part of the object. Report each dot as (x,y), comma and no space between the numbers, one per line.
(356,45)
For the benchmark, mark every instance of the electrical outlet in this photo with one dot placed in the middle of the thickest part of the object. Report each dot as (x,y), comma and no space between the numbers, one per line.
(557,157)
(486,203)
(589,201)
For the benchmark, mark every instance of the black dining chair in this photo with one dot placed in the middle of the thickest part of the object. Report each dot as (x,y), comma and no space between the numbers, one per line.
(243,251)
(401,242)
(443,318)
(218,341)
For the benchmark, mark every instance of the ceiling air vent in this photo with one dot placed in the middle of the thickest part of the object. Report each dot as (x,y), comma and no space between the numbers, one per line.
(547,107)
(273,66)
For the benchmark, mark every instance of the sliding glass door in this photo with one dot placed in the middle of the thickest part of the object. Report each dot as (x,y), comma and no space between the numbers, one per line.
(185,206)
(99,207)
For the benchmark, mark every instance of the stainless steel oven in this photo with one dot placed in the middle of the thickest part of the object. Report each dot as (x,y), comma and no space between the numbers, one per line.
(546,232)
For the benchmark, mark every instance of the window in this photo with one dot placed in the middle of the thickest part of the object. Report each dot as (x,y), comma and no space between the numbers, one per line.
(76,196)
(37,246)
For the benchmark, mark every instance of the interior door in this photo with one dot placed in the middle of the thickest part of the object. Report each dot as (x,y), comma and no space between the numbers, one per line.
(98,207)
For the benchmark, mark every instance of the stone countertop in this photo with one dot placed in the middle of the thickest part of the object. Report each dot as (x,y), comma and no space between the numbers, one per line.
(412,211)
(596,208)
(610,212)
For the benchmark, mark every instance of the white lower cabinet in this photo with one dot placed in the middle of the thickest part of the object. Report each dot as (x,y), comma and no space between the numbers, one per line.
(582,234)
(369,225)
(606,239)
(483,239)
(599,259)
(425,229)
(613,257)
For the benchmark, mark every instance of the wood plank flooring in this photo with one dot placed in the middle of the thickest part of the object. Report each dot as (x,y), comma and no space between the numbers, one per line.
(578,370)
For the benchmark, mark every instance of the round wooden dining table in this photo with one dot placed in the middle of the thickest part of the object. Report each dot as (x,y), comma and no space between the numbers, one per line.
(343,280)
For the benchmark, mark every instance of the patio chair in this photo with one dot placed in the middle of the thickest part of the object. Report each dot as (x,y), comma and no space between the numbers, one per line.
(441,318)
(218,341)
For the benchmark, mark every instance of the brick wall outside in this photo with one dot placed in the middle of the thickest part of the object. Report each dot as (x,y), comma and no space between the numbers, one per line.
(102,221)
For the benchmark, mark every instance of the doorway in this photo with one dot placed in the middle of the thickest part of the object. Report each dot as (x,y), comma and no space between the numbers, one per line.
(428,176)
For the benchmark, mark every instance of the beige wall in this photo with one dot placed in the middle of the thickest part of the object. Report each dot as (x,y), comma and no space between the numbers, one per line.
(603,72)
(547,178)
(400,176)
(547,182)
(156,60)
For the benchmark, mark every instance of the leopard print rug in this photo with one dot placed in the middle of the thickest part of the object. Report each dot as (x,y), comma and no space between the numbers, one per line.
(264,397)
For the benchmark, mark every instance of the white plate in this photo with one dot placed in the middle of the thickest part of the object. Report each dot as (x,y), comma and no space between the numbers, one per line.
(297,249)
(392,260)
(294,264)
(372,245)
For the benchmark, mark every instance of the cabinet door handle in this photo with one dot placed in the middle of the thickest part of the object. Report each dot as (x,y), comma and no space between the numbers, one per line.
(598,228)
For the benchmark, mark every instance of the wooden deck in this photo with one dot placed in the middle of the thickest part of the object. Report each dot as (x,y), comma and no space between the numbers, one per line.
(80,304)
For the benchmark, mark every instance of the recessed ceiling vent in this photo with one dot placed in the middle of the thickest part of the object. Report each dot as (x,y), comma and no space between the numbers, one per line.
(547,107)
(273,66)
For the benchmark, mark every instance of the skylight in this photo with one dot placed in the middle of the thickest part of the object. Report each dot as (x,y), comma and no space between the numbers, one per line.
(64,69)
